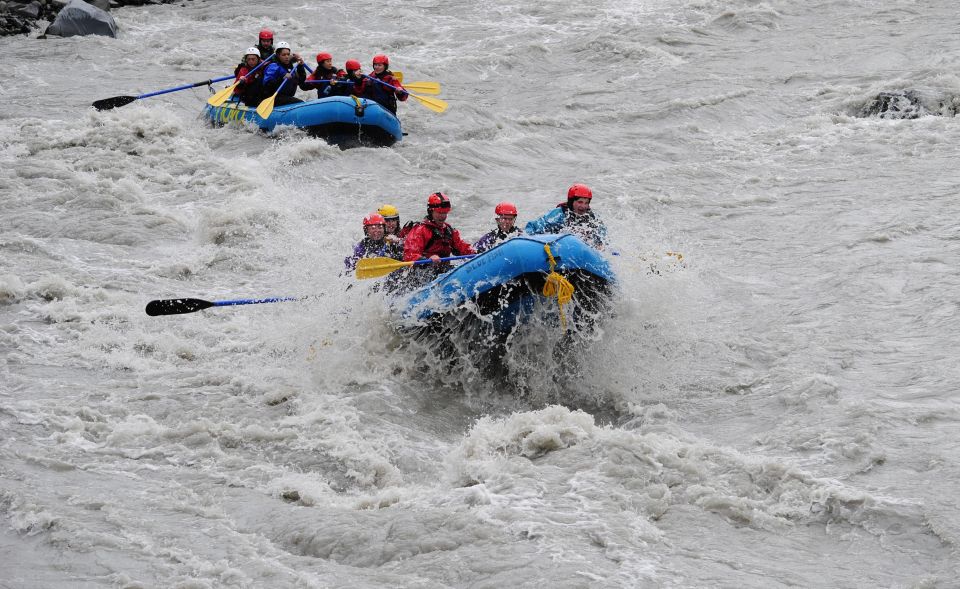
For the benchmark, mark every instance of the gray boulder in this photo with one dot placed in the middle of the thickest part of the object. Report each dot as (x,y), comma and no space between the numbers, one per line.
(80,18)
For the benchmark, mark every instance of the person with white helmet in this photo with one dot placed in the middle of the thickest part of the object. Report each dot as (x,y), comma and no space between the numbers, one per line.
(248,86)
(286,66)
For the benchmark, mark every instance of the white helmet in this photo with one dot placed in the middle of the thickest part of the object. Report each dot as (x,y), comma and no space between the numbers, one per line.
(282,45)
(251,51)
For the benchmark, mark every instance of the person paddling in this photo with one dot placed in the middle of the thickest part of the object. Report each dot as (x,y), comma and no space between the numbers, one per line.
(433,238)
(574,216)
(326,71)
(356,76)
(506,227)
(248,86)
(287,66)
(384,95)
(373,244)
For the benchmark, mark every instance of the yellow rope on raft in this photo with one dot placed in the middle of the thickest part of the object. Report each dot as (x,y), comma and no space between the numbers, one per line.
(557,285)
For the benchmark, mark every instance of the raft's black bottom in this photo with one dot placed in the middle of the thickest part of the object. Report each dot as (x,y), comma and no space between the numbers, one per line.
(347,135)
(484,334)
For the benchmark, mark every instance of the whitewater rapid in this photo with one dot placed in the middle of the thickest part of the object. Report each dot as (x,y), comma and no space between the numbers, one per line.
(779,410)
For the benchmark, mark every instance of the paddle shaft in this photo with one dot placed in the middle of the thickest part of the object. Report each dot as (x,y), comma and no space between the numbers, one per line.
(376,79)
(434,104)
(189,305)
(450,259)
(253,301)
(118,101)
(377,267)
(184,87)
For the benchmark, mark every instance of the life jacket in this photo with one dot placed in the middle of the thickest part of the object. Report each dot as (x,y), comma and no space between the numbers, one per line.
(402,232)
(440,242)
(379,93)
(269,88)
(249,92)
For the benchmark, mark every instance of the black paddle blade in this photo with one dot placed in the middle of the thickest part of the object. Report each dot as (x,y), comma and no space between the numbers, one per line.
(116,101)
(176,306)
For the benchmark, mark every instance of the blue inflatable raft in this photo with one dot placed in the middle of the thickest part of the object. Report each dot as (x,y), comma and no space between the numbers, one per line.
(493,293)
(341,120)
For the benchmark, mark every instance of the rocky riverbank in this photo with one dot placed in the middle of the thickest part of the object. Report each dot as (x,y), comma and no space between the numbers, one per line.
(19,17)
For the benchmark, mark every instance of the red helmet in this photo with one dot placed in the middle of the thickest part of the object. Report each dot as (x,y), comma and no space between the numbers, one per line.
(322,56)
(353,64)
(266,34)
(506,208)
(579,191)
(381,59)
(438,200)
(373,219)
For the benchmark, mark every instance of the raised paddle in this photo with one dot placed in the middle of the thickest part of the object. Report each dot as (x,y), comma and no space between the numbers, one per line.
(434,104)
(118,101)
(225,94)
(181,306)
(377,267)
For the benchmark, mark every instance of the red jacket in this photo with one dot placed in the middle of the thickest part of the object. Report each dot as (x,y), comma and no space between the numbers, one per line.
(428,238)
(241,71)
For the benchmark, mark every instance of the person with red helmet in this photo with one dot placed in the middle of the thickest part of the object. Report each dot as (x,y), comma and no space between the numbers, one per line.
(326,72)
(433,238)
(379,85)
(265,43)
(506,227)
(574,216)
(248,86)
(356,76)
(373,244)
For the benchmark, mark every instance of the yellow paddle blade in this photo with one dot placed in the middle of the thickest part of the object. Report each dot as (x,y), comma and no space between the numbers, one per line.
(266,107)
(434,104)
(222,96)
(377,267)
(398,76)
(425,87)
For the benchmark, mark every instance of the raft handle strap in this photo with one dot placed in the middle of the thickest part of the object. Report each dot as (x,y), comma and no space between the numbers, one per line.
(557,285)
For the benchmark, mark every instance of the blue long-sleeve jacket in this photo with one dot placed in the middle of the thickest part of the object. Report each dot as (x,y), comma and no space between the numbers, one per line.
(589,227)
(273,76)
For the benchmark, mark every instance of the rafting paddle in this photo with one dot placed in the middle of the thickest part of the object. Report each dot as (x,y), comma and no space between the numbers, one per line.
(377,267)
(425,87)
(434,104)
(118,101)
(266,107)
(225,94)
(181,306)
